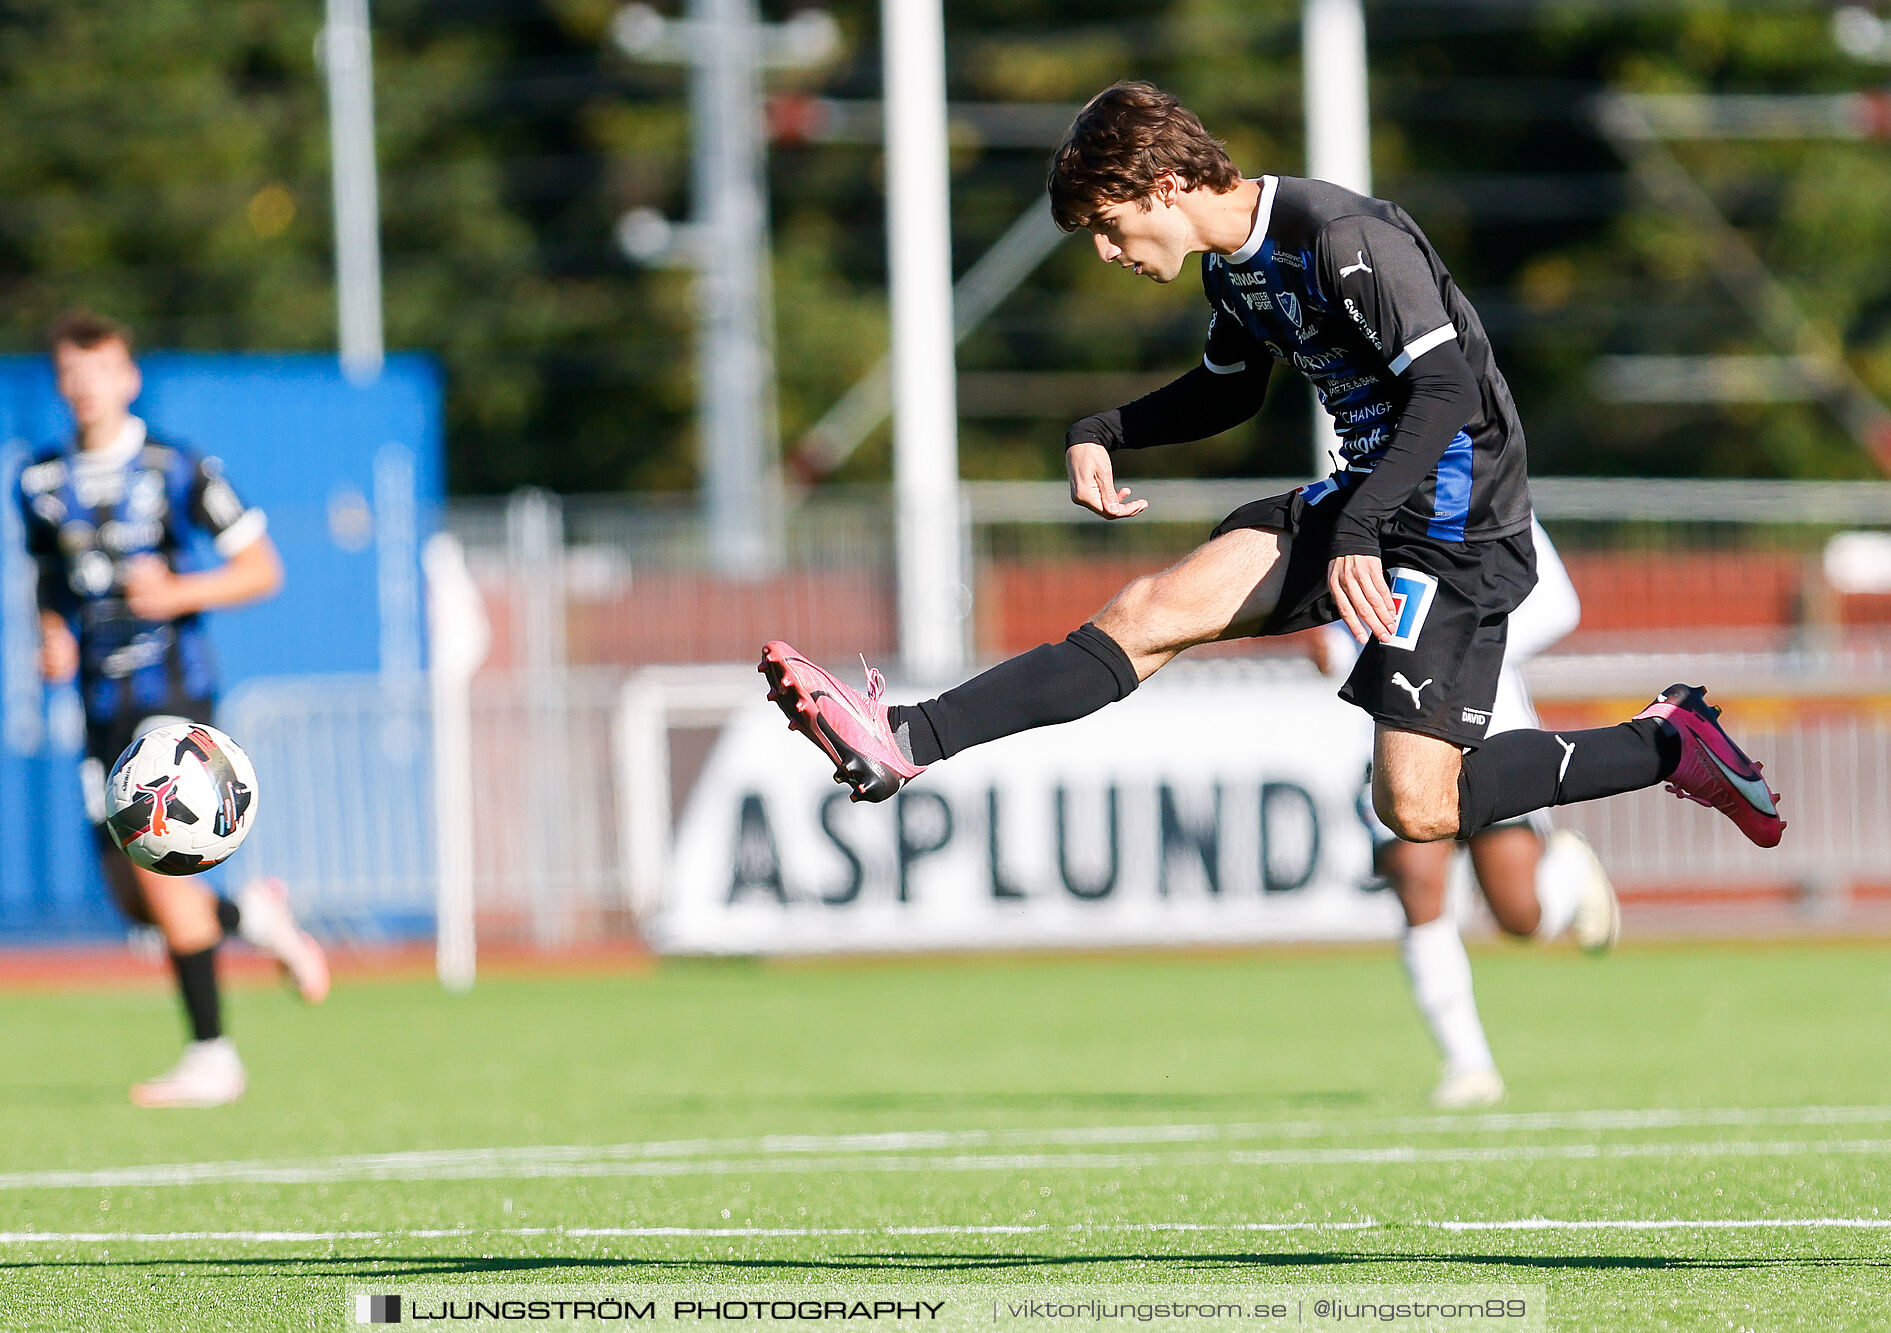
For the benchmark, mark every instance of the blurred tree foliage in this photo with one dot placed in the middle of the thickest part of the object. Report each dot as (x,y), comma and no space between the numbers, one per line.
(167,162)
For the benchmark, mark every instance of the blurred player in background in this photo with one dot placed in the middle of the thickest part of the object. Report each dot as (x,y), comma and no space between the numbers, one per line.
(110,516)
(1539,881)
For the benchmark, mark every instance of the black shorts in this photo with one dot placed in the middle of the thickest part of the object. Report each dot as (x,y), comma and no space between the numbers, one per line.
(1438,677)
(107,738)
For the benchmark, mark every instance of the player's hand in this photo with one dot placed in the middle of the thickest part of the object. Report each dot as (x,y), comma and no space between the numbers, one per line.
(58,651)
(1093,483)
(153,590)
(1357,583)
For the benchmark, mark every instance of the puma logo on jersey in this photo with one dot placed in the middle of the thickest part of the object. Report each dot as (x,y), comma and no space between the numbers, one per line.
(1361,266)
(1398,679)
(1569,752)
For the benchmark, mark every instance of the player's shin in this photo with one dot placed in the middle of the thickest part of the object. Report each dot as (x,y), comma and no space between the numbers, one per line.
(1440,973)
(1054,682)
(197,987)
(1519,771)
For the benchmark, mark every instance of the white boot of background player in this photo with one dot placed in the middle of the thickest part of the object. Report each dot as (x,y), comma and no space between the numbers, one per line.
(209,1074)
(269,925)
(1575,894)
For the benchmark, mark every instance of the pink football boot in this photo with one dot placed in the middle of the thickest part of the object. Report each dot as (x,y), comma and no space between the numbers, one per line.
(851,731)
(1713,770)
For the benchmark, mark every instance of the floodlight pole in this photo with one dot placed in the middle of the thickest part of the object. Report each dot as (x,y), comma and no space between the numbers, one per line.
(348,61)
(933,600)
(735,364)
(726,47)
(1339,130)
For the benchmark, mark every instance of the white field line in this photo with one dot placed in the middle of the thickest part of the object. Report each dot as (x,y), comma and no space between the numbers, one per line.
(724,1233)
(1077,1229)
(1668,1224)
(531,1160)
(493,1165)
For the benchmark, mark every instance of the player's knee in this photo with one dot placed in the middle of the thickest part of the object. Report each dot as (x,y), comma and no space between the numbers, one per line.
(1141,618)
(1416,816)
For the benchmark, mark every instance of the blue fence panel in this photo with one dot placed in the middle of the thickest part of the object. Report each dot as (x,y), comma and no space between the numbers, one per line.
(351,476)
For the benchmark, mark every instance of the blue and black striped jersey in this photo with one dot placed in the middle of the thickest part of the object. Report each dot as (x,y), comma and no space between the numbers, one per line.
(88,514)
(1347,290)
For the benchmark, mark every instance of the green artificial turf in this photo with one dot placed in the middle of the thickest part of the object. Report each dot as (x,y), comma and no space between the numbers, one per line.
(1063,1121)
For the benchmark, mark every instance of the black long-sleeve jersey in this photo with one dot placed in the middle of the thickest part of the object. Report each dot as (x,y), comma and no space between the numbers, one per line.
(1348,290)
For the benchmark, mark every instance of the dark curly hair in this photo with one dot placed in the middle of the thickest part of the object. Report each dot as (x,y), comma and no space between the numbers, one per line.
(1128,135)
(85,330)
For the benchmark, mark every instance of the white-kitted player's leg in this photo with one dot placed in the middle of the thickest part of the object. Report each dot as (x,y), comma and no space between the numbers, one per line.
(270,925)
(1440,973)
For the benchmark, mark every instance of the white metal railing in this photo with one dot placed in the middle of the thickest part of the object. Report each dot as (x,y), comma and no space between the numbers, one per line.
(348,803)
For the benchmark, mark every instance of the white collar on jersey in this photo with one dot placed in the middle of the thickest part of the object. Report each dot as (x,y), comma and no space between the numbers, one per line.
(116,454)
(1262,214)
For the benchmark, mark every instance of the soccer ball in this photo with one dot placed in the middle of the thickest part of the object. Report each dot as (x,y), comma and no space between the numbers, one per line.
(181,798)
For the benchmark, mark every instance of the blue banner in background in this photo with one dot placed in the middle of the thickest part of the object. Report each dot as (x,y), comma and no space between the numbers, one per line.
(351,476)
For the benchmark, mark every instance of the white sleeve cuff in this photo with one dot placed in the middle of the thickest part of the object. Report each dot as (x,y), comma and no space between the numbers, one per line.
(1234,369)
(1422,344)
(241,533)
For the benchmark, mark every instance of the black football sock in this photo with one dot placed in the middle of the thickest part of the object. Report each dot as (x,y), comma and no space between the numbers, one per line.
(1516,772)
(197,983)
(1054,682)
(229,916)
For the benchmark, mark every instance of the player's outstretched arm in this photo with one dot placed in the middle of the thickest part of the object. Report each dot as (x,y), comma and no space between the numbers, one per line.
(156,592)
(1194,406)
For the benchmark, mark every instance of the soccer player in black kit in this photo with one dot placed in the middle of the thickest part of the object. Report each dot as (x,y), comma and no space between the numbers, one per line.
(109,518)
(1419,540)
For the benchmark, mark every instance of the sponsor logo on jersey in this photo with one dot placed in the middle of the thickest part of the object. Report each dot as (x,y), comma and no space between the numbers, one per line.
(43,477)
(1475,717)
(1359,445)
(1353,416)
(1338,387)
(94,490)
(1413,591)
(1312,361)
(90,573)
(1288,259)
(122,537)
(1361,267)
(1365,328)
(147,650)
(146,498)
(1258,300)
(1245,278)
